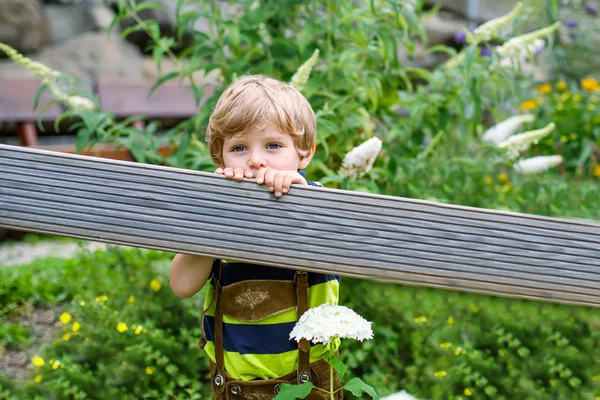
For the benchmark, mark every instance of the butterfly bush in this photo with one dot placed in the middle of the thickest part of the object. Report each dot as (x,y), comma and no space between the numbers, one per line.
(301,76)
(521,142)
(537,164)
(501,131)
(360,159)
(326,322)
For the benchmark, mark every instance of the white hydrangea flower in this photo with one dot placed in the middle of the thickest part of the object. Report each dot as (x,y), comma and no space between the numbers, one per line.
(401,395)
(80,103)
(360,159)
(487,31)
(501,131)
(517,45)
(301,76)
(324,323)
(537,164)
(521,142)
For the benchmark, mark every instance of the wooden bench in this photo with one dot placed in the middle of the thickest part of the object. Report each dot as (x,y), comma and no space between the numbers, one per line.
(123,98)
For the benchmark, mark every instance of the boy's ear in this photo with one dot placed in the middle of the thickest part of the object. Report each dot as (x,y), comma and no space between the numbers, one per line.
(306,159)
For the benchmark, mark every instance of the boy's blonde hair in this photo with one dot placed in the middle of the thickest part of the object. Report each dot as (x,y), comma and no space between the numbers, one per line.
(253,101)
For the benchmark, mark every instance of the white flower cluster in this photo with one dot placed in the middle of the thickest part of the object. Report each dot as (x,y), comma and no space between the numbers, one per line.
(521,142)
(326,322)
(501,131)
(490,29)
(537,164)
(525,54)
(360,159)
(401,395)
(80,103)
(517,45)
(301,76)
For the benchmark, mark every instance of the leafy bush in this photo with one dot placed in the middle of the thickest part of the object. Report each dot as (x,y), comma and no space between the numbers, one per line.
(124,335)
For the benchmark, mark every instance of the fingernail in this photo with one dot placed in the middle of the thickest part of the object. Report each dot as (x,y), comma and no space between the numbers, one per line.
(277,194)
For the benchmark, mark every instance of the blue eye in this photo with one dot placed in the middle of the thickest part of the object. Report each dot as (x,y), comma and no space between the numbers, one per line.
(238,148)
(273,146)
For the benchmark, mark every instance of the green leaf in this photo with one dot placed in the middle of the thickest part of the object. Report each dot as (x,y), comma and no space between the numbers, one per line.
(36,98)
(338,365)
(42,112)
(150,5)
(163,79)
(291,392)
(357,387)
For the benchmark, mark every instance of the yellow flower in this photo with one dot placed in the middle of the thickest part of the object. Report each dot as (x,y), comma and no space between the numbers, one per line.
(121,327)
(420,320)
(539,100)
(56,364)
(131,299)
(596,171)
(75,326)
(65,318)
(445,345)
(100,299)
(468,391)
(577,98)
(502,177)
(37,379)
(546,88)
(488,180)
(440,374)
(590,84)
(149,370)
(138,329)
(560,107)
(561,85)
(450,321)
(155,285)
(66,336)
(528,105)
(458,351)
(38,361)
(82,303)
(505,188)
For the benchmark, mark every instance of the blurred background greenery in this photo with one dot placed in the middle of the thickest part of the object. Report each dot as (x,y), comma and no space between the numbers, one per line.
(380,73)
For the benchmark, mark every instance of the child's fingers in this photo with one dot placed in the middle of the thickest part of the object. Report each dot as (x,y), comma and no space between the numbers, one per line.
(229,173)
(238,174)
(249,174)
(270,178)
(219,171)
(260,176)
(278,183)
(287,183)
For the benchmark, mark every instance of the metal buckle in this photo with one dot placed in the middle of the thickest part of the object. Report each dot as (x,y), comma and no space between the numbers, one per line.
(219,380)
(235,390)
(304,377)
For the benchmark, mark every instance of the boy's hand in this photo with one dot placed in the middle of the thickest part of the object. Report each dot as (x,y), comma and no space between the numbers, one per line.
(277,181)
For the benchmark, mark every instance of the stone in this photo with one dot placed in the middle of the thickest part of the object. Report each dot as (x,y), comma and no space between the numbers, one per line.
(86,57)
(485,10)
(442,27)
(73,19)
(23,25)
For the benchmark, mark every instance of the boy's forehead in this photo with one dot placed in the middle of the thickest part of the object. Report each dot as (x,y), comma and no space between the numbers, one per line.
(266,130)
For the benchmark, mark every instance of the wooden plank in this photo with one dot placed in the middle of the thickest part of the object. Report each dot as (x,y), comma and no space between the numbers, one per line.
(17,98)
(315,229)
(125,98)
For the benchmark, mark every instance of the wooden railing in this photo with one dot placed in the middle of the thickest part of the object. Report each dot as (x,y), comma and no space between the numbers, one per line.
(360,235)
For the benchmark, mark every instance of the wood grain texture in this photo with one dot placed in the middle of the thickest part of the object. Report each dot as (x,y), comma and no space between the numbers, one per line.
(324,230)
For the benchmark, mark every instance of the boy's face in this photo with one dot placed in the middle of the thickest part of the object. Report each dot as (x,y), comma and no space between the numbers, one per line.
(263,148)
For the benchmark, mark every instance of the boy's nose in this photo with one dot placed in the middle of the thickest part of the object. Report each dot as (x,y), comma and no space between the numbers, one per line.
(256,161)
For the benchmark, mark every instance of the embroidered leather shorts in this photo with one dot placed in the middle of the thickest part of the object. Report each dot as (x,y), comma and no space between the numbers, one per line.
(267,389)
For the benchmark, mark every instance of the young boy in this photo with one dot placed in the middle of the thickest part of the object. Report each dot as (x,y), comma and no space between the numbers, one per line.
(265,129)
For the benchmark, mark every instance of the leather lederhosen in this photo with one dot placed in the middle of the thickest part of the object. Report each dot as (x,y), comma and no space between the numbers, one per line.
(254,300)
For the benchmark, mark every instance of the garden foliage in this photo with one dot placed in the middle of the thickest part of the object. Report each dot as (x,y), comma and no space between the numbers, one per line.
(135,339)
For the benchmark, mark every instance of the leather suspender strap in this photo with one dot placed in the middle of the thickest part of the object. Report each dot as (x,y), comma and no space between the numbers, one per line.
(219,379)
(301,279)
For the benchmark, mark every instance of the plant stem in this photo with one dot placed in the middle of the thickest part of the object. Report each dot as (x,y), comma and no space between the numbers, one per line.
(330,370)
